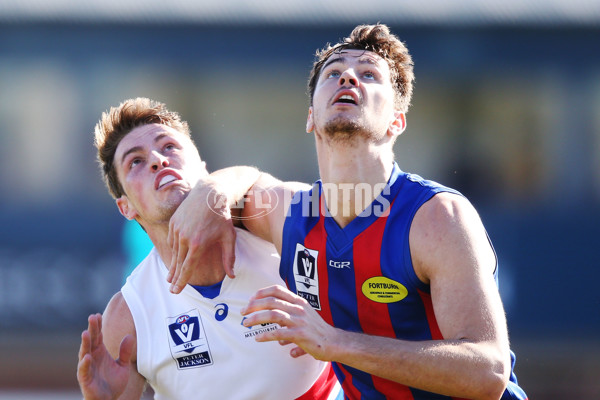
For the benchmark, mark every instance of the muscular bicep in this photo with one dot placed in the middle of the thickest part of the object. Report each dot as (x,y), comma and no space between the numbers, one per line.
(117,322)
(451,252)
(266,205)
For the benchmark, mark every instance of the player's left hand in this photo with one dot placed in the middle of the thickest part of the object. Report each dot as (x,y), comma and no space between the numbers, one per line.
(202,221)
(300,323)
(101,377)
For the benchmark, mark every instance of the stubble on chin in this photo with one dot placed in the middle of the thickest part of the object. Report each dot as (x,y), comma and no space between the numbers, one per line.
(166,210)
(344,131)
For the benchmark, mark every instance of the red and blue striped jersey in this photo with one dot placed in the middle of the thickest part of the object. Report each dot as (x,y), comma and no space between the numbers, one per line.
(360,278)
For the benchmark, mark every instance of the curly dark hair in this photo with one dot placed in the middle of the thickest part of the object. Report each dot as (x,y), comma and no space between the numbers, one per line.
(378,39)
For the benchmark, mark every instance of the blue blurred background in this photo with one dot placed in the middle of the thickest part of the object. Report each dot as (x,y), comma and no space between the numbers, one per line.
(506,109)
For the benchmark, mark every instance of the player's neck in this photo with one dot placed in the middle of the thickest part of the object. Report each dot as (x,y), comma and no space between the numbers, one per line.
(353,176)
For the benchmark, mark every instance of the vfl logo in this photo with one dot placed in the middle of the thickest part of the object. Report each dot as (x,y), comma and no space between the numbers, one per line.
(306,275)
(186,330)
(188,343)
(306,264)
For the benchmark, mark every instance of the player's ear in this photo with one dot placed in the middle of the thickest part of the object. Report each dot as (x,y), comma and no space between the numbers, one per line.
(125,208)
(397,124)
(310,125)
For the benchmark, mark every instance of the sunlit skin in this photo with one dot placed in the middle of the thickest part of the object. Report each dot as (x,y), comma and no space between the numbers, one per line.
(354,138)
(365,78)
(158,167)
(143,158)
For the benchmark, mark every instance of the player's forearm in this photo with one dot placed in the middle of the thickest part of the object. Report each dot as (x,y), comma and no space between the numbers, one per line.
(450,367)
(234,182)
(266,205)
(228,186)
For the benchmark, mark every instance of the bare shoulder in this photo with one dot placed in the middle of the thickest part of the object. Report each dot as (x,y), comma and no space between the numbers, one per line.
(117,322)
(445,210)
(447,230)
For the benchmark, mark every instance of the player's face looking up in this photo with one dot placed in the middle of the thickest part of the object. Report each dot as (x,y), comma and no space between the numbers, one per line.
(353,95)
(157,167)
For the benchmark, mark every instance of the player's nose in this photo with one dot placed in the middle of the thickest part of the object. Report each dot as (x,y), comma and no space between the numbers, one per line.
(348,77)
(158,161)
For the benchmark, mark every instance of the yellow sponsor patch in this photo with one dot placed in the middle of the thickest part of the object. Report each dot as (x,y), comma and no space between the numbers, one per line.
(383,290)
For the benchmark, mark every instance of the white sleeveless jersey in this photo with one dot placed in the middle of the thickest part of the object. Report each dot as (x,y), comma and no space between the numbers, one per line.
(192,347)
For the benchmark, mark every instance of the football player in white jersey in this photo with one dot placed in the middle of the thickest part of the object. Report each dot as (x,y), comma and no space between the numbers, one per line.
(192,345)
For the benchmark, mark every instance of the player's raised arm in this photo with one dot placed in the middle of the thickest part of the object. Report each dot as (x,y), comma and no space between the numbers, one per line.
(204,220)
(241,196)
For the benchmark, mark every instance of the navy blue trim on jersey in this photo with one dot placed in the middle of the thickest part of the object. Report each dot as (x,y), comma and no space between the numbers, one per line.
(211,291)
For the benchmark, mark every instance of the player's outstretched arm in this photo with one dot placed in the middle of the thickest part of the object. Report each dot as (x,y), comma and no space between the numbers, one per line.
(100,375)
(240,196)
(265,207)
(204,220)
